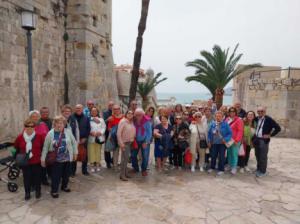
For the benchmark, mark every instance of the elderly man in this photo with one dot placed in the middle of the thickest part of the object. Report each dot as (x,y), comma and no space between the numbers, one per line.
(133,105)
(87,110)
(240,111)
(84,132)
(265,129)
(44,111)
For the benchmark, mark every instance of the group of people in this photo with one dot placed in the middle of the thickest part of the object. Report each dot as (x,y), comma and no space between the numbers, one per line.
(213,140)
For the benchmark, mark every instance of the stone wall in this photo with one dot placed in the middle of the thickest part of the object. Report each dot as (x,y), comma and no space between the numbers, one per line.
(276,91)
(86,57)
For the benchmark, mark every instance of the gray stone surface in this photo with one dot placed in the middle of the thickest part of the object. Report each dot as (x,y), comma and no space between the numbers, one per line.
(171,197)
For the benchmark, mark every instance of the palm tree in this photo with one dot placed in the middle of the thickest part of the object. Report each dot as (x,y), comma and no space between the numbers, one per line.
(138,50)
(144,88)
(216,70)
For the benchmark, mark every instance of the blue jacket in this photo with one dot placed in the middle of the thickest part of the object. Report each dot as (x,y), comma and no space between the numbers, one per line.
(225,131)
(83,125)
(147,135)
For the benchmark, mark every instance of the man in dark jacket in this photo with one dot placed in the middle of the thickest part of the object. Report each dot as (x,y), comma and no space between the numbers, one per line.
(106,115)
(240,111)
(265,129)
(84,132)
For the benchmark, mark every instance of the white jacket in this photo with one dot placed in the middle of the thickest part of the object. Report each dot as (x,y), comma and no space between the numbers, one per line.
(100,127)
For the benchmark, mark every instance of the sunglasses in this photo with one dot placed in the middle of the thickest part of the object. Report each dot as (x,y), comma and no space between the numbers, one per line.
(29,126)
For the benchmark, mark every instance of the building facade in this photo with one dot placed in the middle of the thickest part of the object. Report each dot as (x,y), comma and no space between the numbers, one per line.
(72,57)
(275,88)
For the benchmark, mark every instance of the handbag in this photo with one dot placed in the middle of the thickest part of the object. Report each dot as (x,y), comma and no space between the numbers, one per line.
(97,140)
(135,144)
(22,159)
(51,156)
(255,141)
(81,153)
(188,157)
(242,150)
(110,144)
(203,143)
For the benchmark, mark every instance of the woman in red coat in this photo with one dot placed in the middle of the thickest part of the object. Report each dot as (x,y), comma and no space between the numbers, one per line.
(31,143)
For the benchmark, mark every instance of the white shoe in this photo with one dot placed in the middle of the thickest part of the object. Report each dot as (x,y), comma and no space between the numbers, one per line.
(233,171)
(220,173)
(193,169)
(92,170)
(242,170)
(227,168)
(201,169)
(98,169)
(210,170)
(247,169)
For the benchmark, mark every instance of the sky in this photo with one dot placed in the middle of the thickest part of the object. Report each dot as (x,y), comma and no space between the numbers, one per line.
(268,32)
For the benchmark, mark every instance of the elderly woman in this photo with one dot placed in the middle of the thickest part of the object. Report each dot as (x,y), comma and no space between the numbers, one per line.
(163,133)
(126,134)
(30,143)
(219,134)
(42,129)
(62,141)
(96,139)
(237,127)
(181,140)
(198,140)
(143,137)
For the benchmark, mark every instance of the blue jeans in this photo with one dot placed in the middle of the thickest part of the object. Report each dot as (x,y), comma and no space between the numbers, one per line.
(218,151)
(145,157)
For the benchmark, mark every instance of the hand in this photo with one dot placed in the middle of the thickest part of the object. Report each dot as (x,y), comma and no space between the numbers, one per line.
(92,133)
(82,141)
(97,121)
(223,141)
(75,157)
(43,163)
(122,147)
(109,119)
(144,145)
(99,134)
(266,136)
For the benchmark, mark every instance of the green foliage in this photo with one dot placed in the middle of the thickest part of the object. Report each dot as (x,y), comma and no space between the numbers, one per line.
(144,88)
(216,69)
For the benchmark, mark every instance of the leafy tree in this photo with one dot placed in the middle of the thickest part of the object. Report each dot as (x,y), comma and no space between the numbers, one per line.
(216,69)
(144,88)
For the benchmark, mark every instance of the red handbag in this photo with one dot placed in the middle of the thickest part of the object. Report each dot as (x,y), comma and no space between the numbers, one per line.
(188,157)
(81,153)
(135,144)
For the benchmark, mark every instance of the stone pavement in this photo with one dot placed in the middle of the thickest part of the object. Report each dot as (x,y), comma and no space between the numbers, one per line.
(171,197)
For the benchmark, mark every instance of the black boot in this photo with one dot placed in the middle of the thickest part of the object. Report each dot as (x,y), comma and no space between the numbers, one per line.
(38,194)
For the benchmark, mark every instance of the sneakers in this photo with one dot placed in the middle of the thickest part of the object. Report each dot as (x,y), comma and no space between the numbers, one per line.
(210,170)
(247,169)
(98,169)
(227,168)
(201,169)
(92,170)
(242,170)
(259,174)
(220,173)
(233,171)
(193,169)
(144,173)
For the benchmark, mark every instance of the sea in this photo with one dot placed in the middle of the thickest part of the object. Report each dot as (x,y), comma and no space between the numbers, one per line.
(188,98)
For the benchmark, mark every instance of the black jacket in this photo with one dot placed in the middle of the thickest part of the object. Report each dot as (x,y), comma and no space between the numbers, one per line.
(270,126)
(242,113)
(83,125)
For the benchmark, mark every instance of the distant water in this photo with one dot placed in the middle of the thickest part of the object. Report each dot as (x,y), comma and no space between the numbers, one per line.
(187,98)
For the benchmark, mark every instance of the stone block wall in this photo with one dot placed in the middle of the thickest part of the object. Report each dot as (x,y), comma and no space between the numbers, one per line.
(280,95)
(89,61)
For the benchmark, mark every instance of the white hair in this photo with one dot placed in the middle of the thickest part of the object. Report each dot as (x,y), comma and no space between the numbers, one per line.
(139,111)
(34,112)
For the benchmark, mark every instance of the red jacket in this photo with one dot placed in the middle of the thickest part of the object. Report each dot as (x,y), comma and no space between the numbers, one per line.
(37,147)
(114,121)
(237,128)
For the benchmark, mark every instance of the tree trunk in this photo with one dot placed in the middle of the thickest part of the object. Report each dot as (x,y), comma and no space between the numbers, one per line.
(145,102)
(219,97)
(138,50)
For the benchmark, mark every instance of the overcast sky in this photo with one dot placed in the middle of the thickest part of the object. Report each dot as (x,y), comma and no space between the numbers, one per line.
(268,32)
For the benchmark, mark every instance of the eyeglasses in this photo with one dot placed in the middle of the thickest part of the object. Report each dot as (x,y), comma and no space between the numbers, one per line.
(116,109)
(231,111)
(29,126)
(260,111)
(198,116)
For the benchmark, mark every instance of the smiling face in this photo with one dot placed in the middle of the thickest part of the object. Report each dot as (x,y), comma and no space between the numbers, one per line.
(67,112)
(94,112)
(44,113)
(79,109)
(29,128)
(35,117)
(116,110)
(261,111)
(219,116)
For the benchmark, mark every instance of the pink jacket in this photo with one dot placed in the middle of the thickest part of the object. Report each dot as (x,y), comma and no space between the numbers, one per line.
(126,131)
(237,128)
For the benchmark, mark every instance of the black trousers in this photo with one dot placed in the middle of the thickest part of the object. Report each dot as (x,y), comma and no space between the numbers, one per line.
(60,173)
(108,159)
(243,160)
(261,154)
(32,177)
(178,156)
(73,165)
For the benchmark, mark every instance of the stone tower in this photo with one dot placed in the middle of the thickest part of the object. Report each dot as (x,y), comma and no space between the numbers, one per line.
(72,57)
